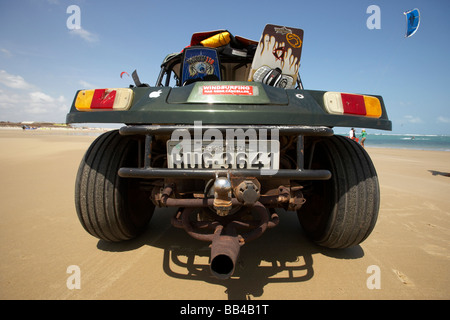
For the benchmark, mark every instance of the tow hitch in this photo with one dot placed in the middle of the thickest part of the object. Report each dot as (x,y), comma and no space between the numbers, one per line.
(231,221)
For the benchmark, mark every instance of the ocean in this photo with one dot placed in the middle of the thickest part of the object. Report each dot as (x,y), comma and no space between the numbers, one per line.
(373,140)
(408,141)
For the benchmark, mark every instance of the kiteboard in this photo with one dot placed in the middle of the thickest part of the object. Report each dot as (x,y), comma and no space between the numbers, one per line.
(200,63)
(277,57)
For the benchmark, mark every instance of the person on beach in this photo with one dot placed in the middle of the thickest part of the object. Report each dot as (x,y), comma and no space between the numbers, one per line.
(363,136)
(351,134)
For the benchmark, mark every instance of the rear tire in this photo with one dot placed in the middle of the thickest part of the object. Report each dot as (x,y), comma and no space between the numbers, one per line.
(341,212)
(109,207)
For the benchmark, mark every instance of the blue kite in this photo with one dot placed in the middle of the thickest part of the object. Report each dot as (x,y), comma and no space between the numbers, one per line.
(412,21)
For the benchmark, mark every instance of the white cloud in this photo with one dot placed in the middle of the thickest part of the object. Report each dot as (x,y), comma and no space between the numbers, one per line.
(21,101)
(13,81)
(86,85)
(84,34)
(36,106)
(412,119)
(442,119)
(41,103)
(6,53)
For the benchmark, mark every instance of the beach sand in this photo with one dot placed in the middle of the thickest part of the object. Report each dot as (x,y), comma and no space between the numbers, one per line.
(406,257)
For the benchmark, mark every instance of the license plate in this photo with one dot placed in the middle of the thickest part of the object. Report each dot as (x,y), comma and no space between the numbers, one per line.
(261,154)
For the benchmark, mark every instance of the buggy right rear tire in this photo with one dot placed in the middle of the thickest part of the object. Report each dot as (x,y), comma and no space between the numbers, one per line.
(109,207)
(341,212)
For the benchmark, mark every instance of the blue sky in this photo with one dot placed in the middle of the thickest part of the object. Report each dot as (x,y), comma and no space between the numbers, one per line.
(43,63)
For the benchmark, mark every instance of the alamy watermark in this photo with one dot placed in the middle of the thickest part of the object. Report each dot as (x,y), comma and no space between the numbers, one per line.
(73,22)
(238,149)
(74,280)
(374,20)
(374,280)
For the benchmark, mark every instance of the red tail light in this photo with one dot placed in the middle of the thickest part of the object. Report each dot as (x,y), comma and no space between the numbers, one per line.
(353,104)
(104,99)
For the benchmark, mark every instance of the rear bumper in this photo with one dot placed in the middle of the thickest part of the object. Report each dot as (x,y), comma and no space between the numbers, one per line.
(147,172)
(155,173)
(283,129)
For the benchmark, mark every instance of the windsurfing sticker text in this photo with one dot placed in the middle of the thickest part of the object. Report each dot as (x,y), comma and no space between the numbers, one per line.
(228,90)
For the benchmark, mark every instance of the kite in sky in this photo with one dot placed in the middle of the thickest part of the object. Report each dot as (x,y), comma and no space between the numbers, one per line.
(123,74)
(412,21)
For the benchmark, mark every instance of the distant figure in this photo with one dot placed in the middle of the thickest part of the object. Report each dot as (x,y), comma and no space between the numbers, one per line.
(363,137)
(351,134)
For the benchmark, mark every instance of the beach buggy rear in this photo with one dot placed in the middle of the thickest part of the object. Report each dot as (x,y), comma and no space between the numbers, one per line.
(227,136)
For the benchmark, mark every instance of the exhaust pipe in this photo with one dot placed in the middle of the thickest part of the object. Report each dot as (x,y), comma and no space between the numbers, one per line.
(224,253)
(226,243)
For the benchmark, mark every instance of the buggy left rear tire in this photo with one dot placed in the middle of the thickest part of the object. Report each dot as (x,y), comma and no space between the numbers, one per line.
(109,207)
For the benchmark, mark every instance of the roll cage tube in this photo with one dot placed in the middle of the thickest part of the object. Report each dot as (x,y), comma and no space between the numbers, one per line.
(166,70)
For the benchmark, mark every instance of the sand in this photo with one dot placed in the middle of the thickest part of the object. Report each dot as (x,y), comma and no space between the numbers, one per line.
(406,257)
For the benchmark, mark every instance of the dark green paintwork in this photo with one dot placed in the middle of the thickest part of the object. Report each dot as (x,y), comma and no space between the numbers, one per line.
(272,106)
